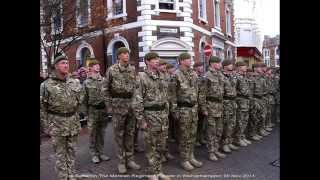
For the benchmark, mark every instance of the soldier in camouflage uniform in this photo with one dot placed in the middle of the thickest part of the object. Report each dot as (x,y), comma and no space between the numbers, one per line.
(186,111)
(151,110)
(229,107)
(212,95)
(119,86)
(243,102)
(166,76)
(202,123)
(277,96)
(270,95)
(60,98)
(95,110)
(267,108)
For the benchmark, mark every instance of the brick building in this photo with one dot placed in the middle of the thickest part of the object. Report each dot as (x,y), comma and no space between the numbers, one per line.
(271,51)
(167,27)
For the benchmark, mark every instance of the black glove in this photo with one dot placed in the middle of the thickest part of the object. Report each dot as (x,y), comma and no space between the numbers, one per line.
(108,117)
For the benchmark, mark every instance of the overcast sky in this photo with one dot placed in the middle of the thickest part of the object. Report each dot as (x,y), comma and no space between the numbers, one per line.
(270,17)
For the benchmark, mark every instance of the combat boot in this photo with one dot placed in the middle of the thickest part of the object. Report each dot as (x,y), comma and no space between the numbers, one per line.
(169,156)
(213,157)
(255,138)
(95,159)
(259,137)
(104,157)
(163,176)
(220,155)
(133,165)
(247,141)
(187,166)
(269,129)
(226,148)
(233,147)
(195,162)
(122,168)
(153,177)
(198,144)
(242,143)
(272,125)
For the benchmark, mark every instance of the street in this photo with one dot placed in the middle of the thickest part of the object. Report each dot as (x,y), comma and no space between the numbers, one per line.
(260,161)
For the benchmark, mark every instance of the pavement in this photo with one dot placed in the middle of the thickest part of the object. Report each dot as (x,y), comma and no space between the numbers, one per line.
(258,161)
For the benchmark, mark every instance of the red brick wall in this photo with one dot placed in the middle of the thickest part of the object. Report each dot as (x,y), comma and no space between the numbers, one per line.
(196,41)
(195,15)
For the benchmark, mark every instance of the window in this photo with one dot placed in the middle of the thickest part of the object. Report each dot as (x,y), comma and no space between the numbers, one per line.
(116,8)
(202,9)
(57,21)
(217,13)
(229,54)
(83,12)
(228,21)
(167,4)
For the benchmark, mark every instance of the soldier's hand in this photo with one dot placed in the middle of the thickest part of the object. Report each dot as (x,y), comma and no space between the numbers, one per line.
(143,125)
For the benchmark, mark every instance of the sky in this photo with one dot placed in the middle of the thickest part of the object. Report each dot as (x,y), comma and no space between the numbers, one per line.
(269,17)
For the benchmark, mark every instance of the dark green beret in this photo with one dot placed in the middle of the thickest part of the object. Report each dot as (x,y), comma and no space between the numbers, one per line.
(241,63)
(122,50)
(59,58)
(151,55)
(214,59)
(162,62)
(197,64)
(184,56)
(93,62)
(226,63)
(169,66)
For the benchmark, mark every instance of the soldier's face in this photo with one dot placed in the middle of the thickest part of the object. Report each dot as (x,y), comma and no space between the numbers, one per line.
(199,69)
(62,67)
(186,63)
(217,66)
(124,58)
(153,64)
(171,70)
(229,67)
(95,68)
(243,68)
(162,68)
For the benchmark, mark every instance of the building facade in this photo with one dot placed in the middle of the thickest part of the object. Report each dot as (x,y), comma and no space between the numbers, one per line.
(271,51)
(168,27)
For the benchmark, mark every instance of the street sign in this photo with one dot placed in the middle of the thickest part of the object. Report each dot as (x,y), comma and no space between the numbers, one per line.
(207,50)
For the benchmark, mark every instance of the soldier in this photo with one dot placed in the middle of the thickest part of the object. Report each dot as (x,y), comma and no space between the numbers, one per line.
(270,96)
(277,96)
(267,108)
(243,102)
(212,95)
(60,98)
(151,104)
(229,107)
(166,76)
(95,110)
(201,129)
(119,86)
(186,111)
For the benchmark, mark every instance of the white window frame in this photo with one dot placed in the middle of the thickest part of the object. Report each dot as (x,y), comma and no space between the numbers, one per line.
(53,31)
(110,10)
(79,23)
(175,10)
(217,25)
(204,8)
(228,21)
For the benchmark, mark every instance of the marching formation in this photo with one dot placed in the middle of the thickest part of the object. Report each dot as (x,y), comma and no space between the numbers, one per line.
(225,108)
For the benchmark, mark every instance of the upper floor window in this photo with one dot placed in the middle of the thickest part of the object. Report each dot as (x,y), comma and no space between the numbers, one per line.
(116,8)
(83,12)
(202,9)
(57,19)
(228,21)
(167,4)
(217,13)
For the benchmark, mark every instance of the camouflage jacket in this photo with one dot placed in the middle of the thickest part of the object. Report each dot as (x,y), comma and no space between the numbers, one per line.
(61,96)
(212,88)
(243,92)
(259,86)
(93,91)
(276,84)
(151,92)
(120,82)
(230,83)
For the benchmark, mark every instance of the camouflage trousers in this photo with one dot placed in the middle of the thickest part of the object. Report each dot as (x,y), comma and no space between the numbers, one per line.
(97,126)
(229,120)
(265,109)
(277,112)
(257,115)
(202,127)
(124,125)
(269,104)
(242,118)
(214,126)
(188,122)
(155,137)
(64,148)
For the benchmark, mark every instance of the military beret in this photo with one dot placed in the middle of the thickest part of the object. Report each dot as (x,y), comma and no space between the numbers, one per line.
(226,63)
(93,62)
(151,55)
(184,56)
(59,58)
(197,64)
(169,66)
(162,62)
(214,59)
(122,50)
(241,63)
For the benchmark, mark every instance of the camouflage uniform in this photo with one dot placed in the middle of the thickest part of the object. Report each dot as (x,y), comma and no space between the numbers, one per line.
(266,107)
(186,97)
(150,105)
(119,86)
(271,101)
(243,102)
(202,122)
(60,100)
(277,97)
(212,93)
(229,108)
(95,109)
